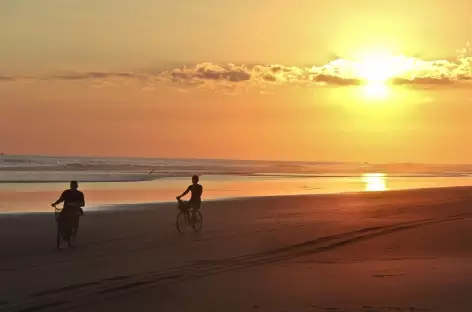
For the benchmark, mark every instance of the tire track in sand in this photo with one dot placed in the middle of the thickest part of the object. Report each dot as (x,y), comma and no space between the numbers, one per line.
(87,293)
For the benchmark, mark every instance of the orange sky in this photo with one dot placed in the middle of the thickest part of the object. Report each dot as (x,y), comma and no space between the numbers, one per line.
(108,78)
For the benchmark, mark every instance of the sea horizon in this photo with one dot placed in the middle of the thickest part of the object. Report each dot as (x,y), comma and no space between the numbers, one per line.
(320,161)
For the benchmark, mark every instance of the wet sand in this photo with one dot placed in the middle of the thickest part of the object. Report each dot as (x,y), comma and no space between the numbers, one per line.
(380,251)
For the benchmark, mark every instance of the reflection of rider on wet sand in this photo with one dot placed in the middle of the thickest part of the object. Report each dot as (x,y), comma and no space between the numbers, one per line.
(196,197)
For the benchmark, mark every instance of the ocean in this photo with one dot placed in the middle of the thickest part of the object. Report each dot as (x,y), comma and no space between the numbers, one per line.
(31,183)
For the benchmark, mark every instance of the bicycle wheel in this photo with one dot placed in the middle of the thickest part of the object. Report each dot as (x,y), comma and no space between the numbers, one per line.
(72,241)
(59,237)
(73,231)
(197,226)
(182,221)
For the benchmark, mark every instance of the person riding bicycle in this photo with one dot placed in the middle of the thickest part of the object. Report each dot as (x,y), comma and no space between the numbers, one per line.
(196,197)
(73,202)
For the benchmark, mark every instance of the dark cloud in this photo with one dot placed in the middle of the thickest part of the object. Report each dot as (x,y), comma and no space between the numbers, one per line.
(423,81)
(336,80)
(90,75)
(5,78)
(276,69)
(269,77)
(208,71)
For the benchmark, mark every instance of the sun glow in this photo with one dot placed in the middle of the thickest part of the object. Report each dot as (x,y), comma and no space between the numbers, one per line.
(376,90)
(375,69)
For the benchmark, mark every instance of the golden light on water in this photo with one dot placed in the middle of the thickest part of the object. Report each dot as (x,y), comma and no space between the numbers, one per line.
(374,182)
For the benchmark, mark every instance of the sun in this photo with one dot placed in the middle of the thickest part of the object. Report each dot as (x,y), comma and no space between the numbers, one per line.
(376,68)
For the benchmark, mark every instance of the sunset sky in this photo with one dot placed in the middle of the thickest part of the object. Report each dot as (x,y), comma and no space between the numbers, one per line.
(340,80)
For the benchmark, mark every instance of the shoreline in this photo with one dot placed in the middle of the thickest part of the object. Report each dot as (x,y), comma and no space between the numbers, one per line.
(387,175)
(130,207)
(24,197)
(288,196)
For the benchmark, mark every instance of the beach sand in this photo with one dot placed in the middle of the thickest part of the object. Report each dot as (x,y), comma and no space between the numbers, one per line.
(379,251)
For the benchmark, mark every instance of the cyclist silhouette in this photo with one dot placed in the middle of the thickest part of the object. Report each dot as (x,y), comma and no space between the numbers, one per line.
(73,202)
(196,197)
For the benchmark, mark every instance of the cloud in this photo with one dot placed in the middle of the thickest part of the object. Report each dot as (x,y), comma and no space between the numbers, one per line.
(5,79)
(209,71)
(230,78)
(89,75)
(423,81)
(331,79)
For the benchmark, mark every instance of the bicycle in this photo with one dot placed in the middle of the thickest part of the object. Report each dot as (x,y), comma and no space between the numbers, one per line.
(66,229)
(184,217)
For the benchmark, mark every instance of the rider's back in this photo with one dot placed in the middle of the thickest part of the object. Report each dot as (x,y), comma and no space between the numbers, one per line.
(197,191)
(73,199)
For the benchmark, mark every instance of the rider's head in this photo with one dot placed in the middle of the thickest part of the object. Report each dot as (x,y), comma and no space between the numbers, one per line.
(74,185)
(195,179)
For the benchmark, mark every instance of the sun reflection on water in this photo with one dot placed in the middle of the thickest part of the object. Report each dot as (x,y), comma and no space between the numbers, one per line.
(374,182)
